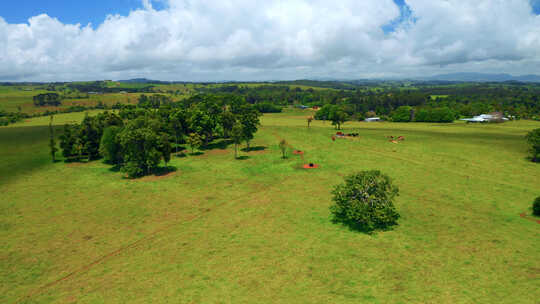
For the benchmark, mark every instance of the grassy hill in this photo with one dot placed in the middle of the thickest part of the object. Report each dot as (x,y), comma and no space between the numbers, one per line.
(259,230)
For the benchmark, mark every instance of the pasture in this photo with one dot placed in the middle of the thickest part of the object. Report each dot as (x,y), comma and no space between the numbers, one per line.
(259,230)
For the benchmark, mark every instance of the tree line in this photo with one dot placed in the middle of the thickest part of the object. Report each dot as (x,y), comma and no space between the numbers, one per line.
(464,100)
(137,139)
(47,99)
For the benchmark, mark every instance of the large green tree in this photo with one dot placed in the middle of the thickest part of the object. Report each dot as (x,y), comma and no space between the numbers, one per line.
(365,201)
(141,148)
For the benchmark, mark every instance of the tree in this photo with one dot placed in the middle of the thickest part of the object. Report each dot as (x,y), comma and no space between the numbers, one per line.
(403,114)
(309,120)
(338,117)
(90,135)
(110,147)
(533,138)
(250,123)
(536,206)
(283,148)
(165,148)
(68,142)
(365,201)
(52,141)
(178,125)
(141,148)
(237,135)
(227,120)
(47,99)
(201,123)
(194,140)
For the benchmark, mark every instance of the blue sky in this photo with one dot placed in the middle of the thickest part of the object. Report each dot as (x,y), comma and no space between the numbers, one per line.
(67,11)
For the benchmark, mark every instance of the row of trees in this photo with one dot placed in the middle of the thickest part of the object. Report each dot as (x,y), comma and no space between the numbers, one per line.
(7,118)
(463,99)
(138,139)
(410,114)
(47,99)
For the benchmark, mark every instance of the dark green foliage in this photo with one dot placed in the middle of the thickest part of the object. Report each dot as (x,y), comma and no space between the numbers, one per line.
(138,138)
(443,114)
(266,107)
(110,147)
(69,142)
(201,123)
(177,125)
(153,101)
(90,136)
(165,148)
(141,148)
(533,139)
(365,201)
(9,118)
(403,114)
(249,119)
(336,114)
(536,206)
(47,99)
(338,117)
(227,121)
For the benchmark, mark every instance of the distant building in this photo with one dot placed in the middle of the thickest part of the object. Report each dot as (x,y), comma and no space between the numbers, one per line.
(372,119)
(492,117)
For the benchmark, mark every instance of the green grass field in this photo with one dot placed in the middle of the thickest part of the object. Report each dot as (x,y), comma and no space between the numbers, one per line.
(259,230)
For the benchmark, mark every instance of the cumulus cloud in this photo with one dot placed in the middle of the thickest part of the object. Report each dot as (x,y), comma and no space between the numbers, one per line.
(276,39)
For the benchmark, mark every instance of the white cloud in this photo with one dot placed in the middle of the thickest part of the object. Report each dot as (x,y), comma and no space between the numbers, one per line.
(277,39)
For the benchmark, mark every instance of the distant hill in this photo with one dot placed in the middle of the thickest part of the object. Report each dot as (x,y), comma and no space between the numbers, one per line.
(481,77)
(139,80)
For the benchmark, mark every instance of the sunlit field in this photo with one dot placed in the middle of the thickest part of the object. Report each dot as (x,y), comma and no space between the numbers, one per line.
(259,229)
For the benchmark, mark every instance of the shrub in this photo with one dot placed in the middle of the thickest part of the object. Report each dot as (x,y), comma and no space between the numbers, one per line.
(266,107)
(536,206)
(365,201)
(533,138)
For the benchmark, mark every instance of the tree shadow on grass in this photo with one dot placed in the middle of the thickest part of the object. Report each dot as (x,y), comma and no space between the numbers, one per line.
(218,144)
(355,227)
(161,171)
(198,153)
(256,148)
(243,157)
(181,155)
(530,160)
(115,168)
